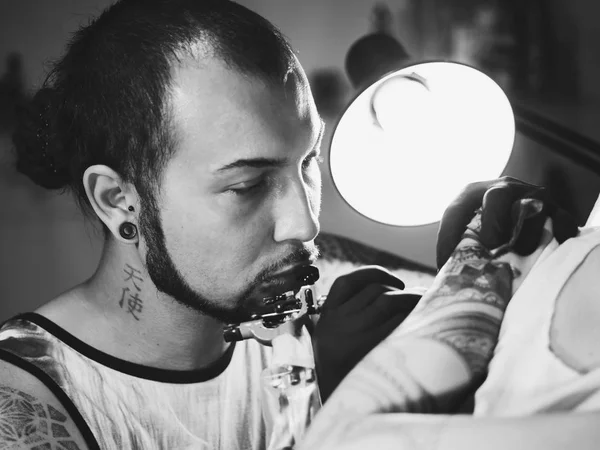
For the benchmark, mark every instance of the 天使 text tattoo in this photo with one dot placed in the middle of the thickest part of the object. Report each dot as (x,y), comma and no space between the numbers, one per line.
(130,297)
(133,275)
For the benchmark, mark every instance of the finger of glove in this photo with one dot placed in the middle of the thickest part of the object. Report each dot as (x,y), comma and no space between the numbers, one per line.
(516,184)
(370,316)
(456,217)
(496,221)
(497,218)
(349,348)
(361,301)
(385,328)
(460,212)
(355,347)
(346,286)
(338,353)
(388,305)
(564,224)
(532,229)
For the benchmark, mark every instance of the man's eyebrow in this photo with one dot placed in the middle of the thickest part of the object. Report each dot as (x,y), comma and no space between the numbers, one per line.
(254,163)
(265,163)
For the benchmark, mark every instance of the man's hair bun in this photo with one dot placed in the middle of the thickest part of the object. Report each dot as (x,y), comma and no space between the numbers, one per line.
(39,150)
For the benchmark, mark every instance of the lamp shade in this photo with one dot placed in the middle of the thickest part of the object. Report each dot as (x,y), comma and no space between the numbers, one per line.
(410,142)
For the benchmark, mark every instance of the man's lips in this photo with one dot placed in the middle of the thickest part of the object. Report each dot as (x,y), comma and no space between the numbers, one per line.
(296,269)
(296,266)
(291,278)
(282,283)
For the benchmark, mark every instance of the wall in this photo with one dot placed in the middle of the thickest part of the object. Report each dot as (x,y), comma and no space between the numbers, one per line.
(45,246)
(576,28)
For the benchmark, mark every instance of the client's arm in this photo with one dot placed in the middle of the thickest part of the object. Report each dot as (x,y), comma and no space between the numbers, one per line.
(439,353)
(434,357)
(423,371)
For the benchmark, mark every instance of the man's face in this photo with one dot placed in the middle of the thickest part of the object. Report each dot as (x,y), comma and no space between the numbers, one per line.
(240,199)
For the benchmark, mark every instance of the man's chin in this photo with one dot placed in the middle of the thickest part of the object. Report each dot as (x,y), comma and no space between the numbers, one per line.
(227,316)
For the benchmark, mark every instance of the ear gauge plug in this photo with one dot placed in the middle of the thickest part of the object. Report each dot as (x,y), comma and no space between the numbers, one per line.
(128,231)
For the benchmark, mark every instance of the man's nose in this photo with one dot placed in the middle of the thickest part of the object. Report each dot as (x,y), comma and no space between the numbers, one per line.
(297,214)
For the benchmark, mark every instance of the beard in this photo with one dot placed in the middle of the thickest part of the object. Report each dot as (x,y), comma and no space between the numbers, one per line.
(169,280)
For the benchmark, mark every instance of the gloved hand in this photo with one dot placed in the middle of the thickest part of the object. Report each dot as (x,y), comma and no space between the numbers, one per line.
(362,308)
(498,200)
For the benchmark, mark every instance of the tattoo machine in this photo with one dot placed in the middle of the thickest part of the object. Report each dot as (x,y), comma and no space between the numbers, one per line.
(280,312)
(289,390)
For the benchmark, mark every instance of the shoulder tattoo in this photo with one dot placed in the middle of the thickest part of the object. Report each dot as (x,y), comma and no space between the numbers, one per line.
(26,422)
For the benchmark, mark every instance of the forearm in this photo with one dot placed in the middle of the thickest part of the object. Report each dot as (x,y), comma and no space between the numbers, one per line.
(455,326)
(453,330)
(437,353)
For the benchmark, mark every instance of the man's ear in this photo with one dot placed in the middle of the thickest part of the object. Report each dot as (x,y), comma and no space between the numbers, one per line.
(114,201)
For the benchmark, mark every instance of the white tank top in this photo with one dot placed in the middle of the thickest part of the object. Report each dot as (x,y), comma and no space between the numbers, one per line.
(525,376)
(129,406)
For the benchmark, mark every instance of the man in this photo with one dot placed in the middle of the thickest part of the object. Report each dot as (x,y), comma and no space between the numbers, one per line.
(188,128)
(544,379)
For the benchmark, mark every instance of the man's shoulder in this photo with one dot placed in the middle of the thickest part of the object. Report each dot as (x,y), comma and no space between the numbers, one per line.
(31,414)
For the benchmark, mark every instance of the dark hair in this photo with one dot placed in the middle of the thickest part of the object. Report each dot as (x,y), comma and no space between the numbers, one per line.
(105,102)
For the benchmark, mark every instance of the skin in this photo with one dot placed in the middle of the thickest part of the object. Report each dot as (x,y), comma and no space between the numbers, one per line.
(228,233)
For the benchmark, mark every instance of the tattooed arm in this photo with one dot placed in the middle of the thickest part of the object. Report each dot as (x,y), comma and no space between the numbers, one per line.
(31,417)
(434,358)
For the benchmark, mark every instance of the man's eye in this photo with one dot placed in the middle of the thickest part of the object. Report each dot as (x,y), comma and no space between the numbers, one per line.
(310,159)
(248,189)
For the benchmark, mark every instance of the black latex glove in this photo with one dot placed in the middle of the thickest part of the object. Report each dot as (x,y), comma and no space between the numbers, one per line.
(498,199)
(362,308)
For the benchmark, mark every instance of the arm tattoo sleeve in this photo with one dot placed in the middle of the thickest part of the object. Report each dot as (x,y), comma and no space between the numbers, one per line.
(465,306)
(428,363)
(434,358)
(461,312)
(25,422)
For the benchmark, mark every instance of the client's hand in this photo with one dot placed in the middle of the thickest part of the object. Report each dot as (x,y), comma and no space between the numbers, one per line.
(362,308)
(498,200)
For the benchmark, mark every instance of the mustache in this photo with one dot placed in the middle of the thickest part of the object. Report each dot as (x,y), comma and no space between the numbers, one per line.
(299,255)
